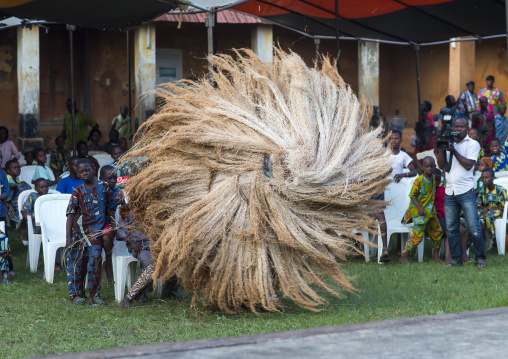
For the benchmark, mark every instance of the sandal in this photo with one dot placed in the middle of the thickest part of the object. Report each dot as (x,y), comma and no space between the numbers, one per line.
(79,301)
(480,264)
(98,302)
(6,281)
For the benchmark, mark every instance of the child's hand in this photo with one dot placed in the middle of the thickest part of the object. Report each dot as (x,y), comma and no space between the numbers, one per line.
(136,247)
(421,211)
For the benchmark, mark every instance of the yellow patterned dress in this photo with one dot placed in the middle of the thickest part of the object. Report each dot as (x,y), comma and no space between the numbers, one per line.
(491,199)
(424,192)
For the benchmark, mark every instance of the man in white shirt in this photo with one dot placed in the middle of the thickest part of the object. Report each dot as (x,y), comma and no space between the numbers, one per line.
(398,161)
(459,193)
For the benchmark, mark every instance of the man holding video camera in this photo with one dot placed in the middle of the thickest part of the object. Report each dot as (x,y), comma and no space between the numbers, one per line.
(458,161)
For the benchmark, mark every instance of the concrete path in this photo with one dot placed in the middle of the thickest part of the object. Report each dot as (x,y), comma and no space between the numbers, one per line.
(478,334)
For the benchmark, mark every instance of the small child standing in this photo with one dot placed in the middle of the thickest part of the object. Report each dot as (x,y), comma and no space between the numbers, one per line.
(422,212)
(13,170)
(89,205)
(108,175)
(41,171)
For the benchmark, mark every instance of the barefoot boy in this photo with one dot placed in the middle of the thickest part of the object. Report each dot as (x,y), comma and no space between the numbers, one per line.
(423,212)
(108,175)
(89,205)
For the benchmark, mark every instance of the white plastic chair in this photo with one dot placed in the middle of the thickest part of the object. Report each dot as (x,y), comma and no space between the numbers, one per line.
(34,240)
(124,266)
(398,195)
(501,174)
(103,159)
(124,269)
(500,224)
(27,173)
(51,215)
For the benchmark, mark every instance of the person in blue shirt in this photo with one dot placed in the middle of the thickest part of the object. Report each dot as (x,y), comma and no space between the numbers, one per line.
(67,184)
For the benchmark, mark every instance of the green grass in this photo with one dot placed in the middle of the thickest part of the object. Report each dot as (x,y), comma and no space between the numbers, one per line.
(37,319)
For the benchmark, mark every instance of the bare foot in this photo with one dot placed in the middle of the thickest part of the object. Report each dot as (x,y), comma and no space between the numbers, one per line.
(438,260)
(12,274)
(384,257)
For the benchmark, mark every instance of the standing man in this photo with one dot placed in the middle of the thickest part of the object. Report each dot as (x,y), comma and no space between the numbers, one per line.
(459,163)
(494,96)
(470,98)
(122,123)
(82,123)
(452,108)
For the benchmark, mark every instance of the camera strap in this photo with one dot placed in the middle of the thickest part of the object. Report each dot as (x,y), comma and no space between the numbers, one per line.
(448,164)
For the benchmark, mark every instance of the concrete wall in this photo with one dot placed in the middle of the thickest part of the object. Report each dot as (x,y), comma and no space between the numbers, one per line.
(398,82)
(104,55)
(9,82)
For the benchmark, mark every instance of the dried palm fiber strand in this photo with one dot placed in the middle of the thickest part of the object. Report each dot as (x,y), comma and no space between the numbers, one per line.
(249,181)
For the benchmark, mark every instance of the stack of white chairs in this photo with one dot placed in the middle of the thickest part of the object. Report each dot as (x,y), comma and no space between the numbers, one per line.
(34,240)
(398,196)
(51,216)
(27,173)
(500,224)
(124,267)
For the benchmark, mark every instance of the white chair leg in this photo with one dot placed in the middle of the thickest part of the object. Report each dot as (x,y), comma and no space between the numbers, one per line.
(366,247)
(500,236)
(131,274)
(49,261)
(420,250)
(120,283)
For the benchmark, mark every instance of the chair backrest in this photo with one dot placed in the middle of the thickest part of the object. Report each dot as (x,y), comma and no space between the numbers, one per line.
(48,160)
(65,174)
(24,195)
(27,173)
(501,174)
(503,182)
(398,195)
(51,214)
(103,159)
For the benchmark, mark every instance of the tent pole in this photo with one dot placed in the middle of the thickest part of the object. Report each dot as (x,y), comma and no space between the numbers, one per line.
(317,42)
(129,80)
(337,34)
(506,14)
(210,23)
(417,58)
(71,28)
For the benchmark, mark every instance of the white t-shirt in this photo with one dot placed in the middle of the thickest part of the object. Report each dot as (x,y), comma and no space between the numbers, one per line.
(459,180)
(399,162)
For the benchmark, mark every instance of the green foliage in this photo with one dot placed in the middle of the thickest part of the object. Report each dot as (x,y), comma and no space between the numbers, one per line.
(37,318)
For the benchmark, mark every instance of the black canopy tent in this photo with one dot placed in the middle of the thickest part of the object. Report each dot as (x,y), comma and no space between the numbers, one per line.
(404,22)
(99,14)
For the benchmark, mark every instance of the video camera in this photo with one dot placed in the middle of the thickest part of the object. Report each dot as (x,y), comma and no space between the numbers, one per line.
(446,136)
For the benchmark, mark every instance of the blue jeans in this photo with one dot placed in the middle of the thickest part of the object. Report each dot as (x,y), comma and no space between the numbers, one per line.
(453,206)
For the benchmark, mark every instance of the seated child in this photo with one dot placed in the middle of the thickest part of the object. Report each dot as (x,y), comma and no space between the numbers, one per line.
(116,153)
(27,154)
(137,242)
(498,155)
(41,171)
(67,184)
(41,188)
(89,205)
(13,170)
(490,205)
(483,164)
(59,157)
(108,175)
(422,212)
